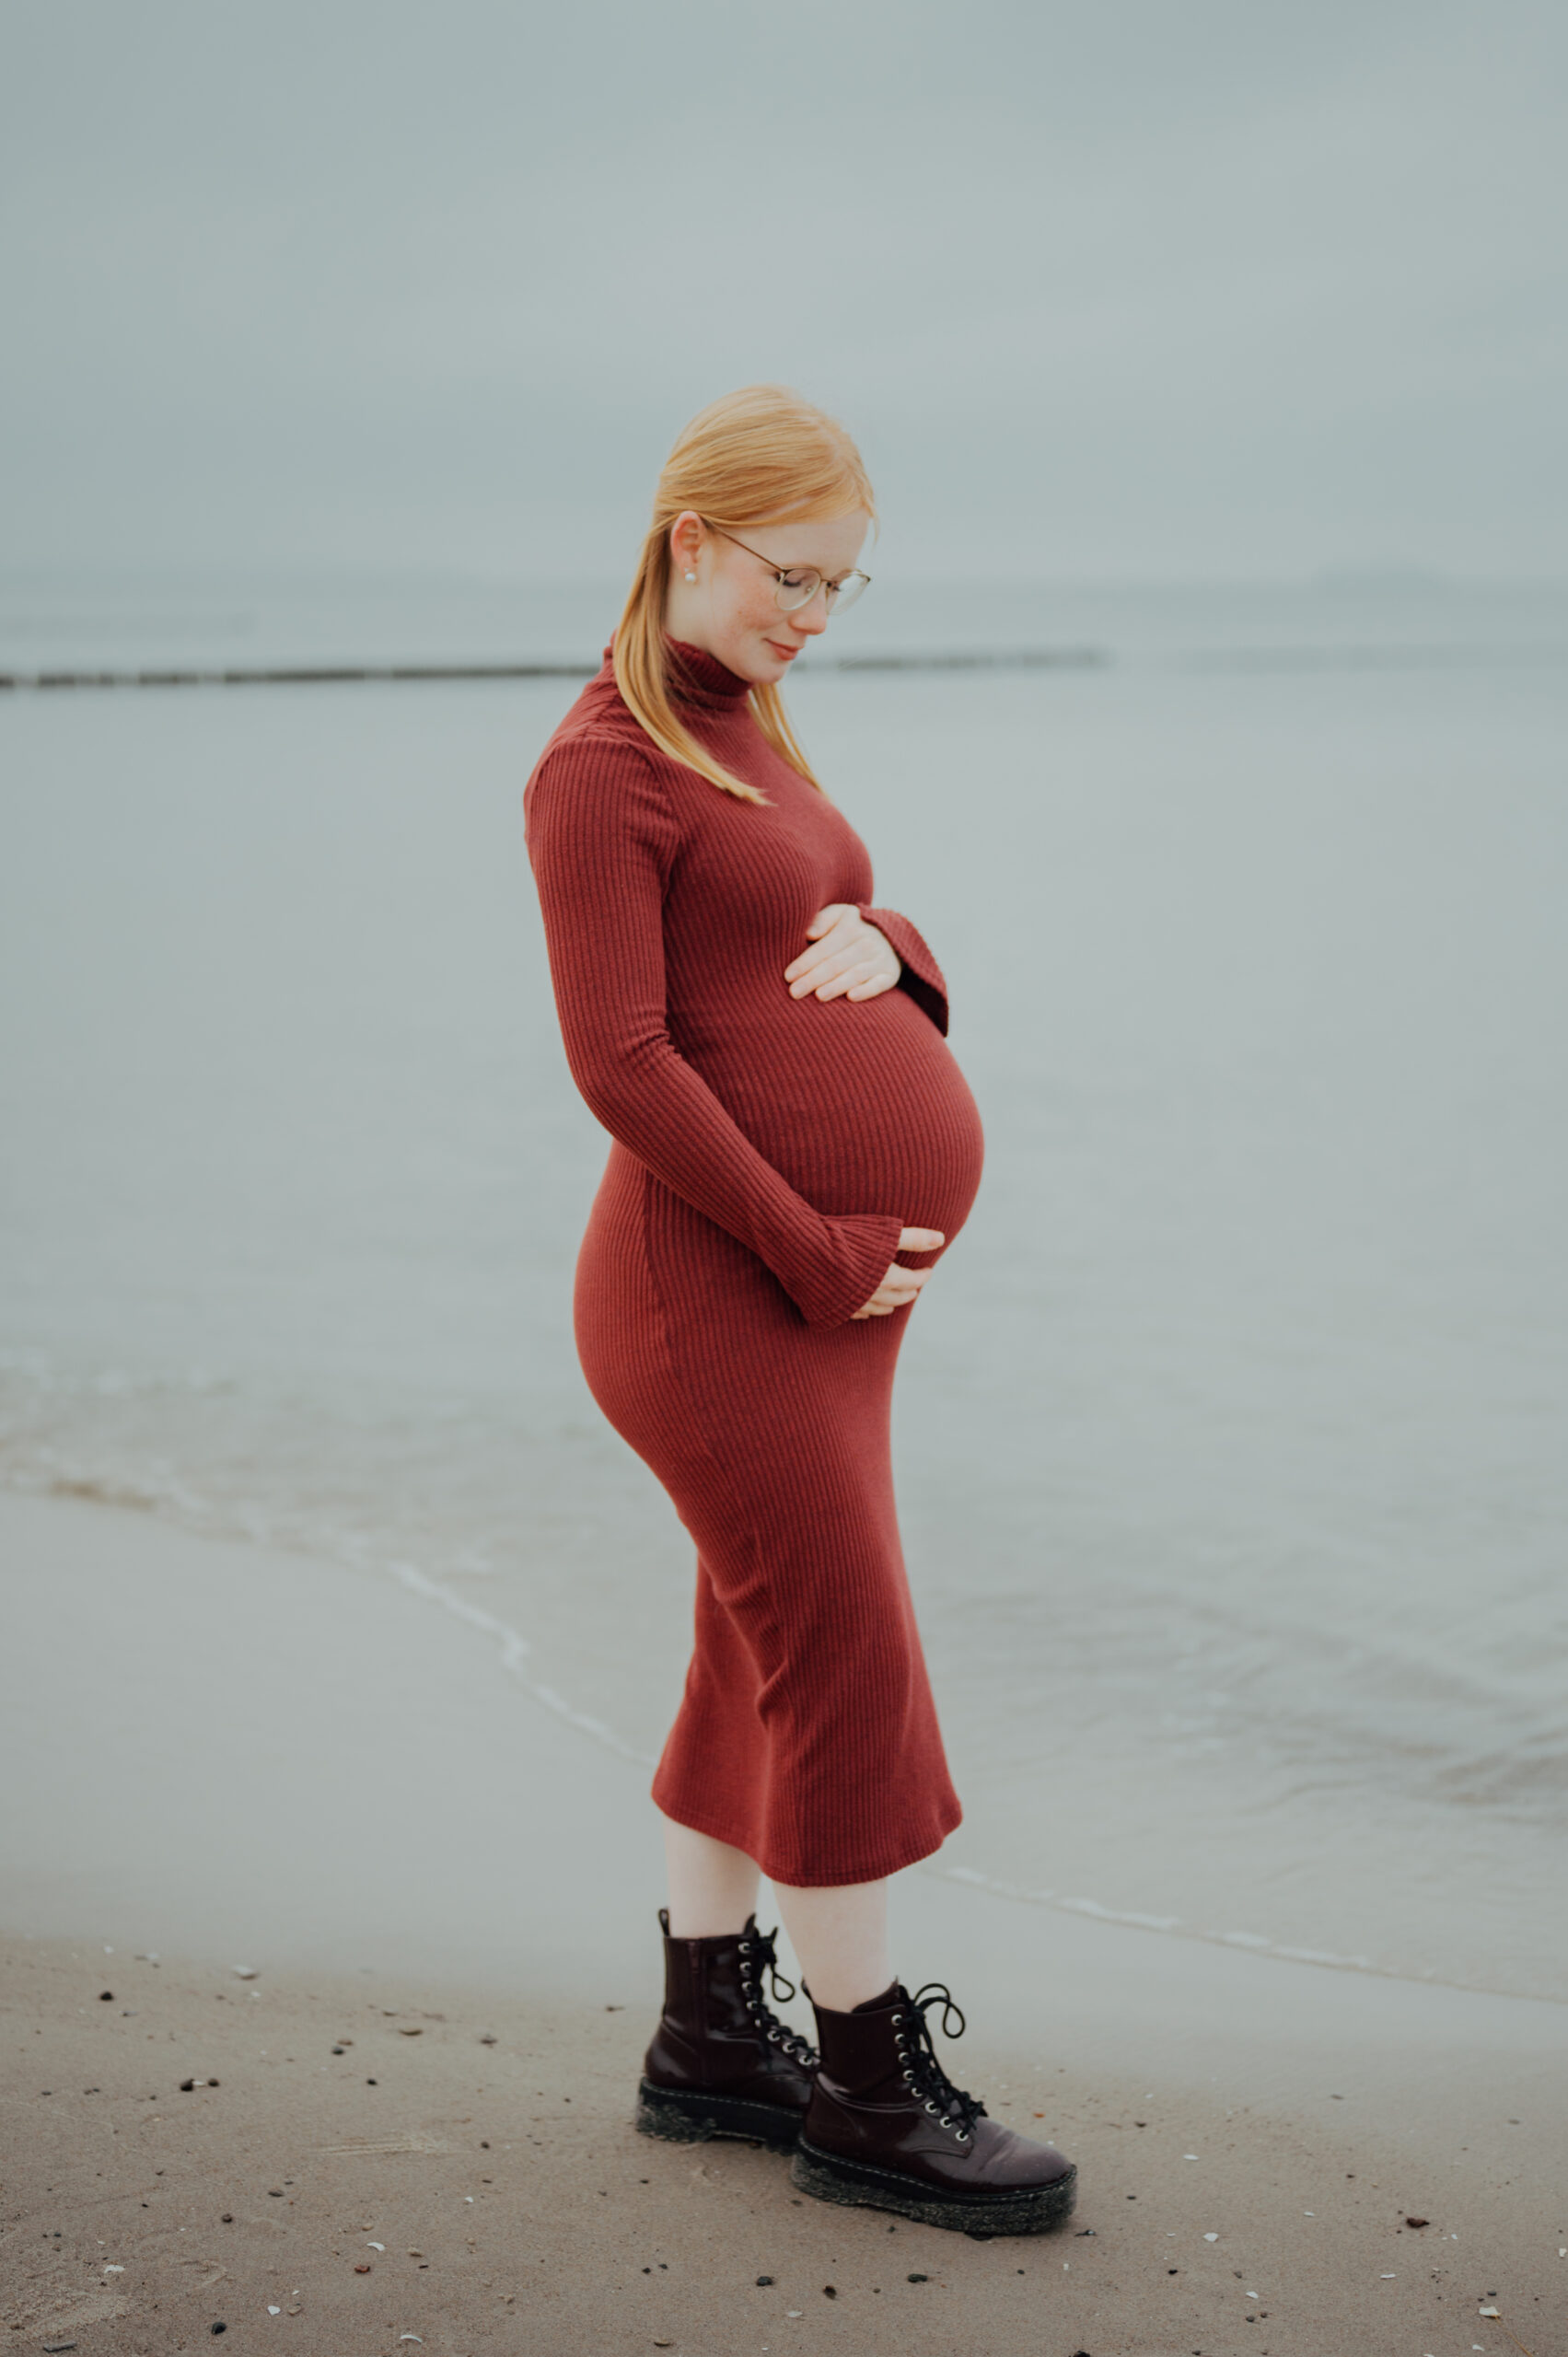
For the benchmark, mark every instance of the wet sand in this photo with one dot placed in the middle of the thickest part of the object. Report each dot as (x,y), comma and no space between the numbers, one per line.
(227,1757)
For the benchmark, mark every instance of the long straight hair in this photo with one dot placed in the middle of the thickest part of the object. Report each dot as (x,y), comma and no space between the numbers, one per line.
(760,455)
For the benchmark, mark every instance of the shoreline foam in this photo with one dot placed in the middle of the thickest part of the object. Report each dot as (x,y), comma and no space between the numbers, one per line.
(513,1652)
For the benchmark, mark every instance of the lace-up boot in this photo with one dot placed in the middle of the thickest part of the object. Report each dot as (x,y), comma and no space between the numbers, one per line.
(722,2063)
(888,2129)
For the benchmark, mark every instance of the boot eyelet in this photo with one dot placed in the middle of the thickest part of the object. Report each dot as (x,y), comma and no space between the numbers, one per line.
(931,2107)
(909,2078)
(963,2135)
(897,2019)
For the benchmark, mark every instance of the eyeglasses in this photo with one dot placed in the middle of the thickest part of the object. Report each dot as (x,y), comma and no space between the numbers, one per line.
(798,584)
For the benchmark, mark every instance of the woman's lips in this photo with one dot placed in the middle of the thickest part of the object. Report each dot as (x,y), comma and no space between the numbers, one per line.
(788,652)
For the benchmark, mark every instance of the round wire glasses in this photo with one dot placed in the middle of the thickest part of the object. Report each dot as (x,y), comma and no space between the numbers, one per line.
(797,585)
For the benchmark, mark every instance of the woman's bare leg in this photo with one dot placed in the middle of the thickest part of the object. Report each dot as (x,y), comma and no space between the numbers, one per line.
(713,1888)
(841,1937)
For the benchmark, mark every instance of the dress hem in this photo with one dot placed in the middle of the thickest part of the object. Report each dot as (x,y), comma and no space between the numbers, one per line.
(891,1862)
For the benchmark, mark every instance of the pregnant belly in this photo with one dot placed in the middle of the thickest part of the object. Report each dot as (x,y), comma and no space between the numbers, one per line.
(861,1106)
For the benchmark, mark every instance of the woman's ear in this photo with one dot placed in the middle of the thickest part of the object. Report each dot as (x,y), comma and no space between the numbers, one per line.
(686,537)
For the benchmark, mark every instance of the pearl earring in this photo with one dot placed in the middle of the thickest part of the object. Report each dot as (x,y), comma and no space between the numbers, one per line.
(690,577)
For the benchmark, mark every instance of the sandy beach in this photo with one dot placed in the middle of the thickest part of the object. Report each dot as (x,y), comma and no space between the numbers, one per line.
(401,1915)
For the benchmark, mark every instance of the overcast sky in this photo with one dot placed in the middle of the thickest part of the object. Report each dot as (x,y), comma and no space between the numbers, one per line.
(1131,287)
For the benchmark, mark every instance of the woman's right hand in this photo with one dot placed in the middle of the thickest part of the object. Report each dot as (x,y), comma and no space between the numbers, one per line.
(901,1286)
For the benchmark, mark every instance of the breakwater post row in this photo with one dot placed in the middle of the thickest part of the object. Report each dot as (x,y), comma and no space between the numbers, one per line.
(298,675)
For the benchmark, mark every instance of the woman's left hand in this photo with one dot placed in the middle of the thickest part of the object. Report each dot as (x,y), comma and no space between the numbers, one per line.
(847,958)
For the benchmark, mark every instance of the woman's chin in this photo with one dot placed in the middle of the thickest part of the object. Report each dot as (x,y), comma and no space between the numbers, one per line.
(756,662)
(772,667)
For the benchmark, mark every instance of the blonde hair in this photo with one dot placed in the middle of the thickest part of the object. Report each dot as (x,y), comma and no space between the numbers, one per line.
(760,456)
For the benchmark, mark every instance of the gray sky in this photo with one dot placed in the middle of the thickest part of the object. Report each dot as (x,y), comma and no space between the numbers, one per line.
(1110,290)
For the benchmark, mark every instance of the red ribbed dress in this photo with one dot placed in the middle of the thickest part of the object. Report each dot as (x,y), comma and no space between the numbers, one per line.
(767,1151)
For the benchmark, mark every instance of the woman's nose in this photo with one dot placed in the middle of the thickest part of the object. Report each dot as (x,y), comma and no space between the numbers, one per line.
(812,618)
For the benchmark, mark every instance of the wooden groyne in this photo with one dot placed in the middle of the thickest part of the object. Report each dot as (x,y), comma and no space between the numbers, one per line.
(313,675)
(1024,658)
(296,675)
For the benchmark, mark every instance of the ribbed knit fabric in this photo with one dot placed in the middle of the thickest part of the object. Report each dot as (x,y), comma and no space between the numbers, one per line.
(767,1151)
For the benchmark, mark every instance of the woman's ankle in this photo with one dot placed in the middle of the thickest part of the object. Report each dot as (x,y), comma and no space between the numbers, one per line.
(845,1992)
(698,1924)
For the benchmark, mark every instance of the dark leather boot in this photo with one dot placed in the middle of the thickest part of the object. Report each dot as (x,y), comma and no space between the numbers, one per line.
(721,2064)
(888,2129)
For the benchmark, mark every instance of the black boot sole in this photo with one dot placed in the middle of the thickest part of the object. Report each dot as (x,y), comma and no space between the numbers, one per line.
(688,2116)
(860,2185)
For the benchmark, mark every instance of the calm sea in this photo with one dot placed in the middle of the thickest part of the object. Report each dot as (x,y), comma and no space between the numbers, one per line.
(1232,1445)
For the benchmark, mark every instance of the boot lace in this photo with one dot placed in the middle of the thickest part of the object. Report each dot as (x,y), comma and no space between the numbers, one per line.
(759,1953)
(953,2107)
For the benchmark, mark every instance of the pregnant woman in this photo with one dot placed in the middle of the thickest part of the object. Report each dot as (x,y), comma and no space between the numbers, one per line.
(794,1147)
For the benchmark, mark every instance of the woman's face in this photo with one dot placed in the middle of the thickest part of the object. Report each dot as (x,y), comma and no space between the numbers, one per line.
(731,610)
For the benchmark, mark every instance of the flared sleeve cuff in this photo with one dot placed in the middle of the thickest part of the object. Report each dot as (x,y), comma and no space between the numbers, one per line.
(922,976)
(863,1244)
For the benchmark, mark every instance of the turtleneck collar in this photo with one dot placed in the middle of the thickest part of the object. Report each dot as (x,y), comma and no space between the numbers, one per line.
(698,678)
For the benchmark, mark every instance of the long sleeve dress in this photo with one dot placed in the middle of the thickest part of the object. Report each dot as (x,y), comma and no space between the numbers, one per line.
(766,1152)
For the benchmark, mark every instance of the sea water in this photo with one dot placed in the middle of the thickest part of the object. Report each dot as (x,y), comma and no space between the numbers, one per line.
(1230,1437)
